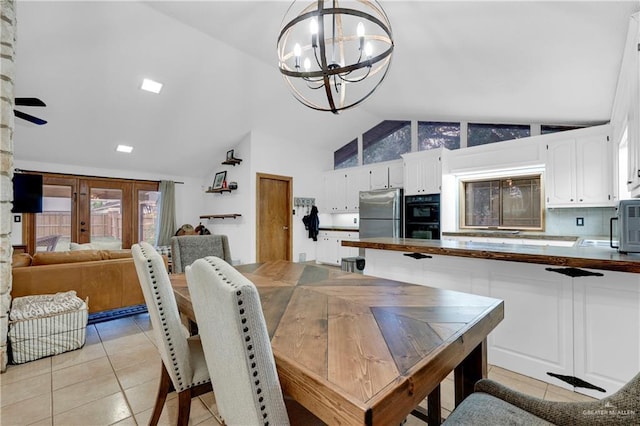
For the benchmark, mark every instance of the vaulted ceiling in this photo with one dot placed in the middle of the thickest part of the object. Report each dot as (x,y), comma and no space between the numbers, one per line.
(516,62)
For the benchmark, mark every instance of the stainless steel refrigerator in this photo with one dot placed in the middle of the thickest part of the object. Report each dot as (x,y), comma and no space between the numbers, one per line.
(381,213)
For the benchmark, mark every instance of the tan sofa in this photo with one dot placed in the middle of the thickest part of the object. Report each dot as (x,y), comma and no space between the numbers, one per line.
(107,277)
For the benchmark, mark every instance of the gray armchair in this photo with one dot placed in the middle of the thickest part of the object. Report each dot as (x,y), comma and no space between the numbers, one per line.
(494,404)
(186,249)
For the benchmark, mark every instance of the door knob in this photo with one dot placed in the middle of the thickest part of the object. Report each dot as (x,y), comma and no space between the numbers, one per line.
(285,227)
(83,230)
(82,223)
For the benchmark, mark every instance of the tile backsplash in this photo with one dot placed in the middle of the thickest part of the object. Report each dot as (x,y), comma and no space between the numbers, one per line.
(563,221)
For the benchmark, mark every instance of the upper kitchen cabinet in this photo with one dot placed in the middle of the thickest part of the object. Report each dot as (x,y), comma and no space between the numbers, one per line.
(385,175)
(626,111)
(423,172)
(341,189)
(579,172)
(396,174)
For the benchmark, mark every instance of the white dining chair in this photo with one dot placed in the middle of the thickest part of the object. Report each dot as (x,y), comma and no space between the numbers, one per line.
(183,364)
(227,309)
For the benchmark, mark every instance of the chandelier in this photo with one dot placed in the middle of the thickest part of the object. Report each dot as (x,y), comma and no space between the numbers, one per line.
(334,54)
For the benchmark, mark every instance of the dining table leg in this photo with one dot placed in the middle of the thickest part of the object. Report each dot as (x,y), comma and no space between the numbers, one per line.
(469,371)
(432,415)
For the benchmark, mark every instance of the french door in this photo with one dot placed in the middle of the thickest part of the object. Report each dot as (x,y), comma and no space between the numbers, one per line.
(112,212)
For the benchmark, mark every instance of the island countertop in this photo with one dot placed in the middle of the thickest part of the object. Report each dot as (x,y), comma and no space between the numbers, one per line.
(576,257)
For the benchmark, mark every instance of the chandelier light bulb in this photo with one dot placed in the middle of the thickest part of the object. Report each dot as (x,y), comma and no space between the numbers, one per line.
(313,26)
(297,51)
(368,50)
(307,64)
(360,30)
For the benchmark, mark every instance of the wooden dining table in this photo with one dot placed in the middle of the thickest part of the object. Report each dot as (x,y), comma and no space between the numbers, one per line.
(355,349)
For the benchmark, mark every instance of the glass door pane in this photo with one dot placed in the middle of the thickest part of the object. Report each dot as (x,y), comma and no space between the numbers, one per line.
(53,225)
(147,215)
(106,217)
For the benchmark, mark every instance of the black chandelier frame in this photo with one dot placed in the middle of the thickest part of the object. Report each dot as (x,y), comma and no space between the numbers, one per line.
(334,71)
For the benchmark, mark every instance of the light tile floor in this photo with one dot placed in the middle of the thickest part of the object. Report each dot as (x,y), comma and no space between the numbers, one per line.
(113,380)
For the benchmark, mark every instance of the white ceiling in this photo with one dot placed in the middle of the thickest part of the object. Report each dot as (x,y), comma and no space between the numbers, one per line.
(516,62)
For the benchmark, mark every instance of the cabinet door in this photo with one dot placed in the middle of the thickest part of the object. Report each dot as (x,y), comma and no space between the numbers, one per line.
(431,172)
(339,192)
(396,175)
(607,338)
(322,248)
(633,115)
(379,177)
(560,174)
(327,248)
(357,180)
(594,174)
(536,335)
(412,176)
(325,203)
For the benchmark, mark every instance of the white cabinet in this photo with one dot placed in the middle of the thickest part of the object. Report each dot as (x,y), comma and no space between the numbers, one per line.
(326,248)
(579,172)
(378,177)
(396,174)
(385,175)
(341,188)
(334,194)
(423,172)
(536,335)
(626,113)
(357,180)
(561,173)
(607,337)
(329,249)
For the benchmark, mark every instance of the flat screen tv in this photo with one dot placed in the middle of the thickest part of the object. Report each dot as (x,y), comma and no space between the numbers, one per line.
(27,193)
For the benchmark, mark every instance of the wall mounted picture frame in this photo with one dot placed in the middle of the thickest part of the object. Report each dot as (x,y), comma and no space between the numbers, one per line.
(219,179)
(230,155)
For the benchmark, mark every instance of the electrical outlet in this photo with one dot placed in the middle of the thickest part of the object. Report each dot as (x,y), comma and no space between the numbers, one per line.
(355,220)
(579,221)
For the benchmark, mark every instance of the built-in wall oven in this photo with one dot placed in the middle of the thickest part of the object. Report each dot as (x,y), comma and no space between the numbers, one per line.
(422,216)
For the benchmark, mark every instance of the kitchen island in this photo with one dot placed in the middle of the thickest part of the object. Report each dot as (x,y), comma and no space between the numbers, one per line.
(569,311)
(576,256)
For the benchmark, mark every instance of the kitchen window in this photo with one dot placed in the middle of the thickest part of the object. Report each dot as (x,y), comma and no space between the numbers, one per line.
(503,203)
(436,134)
(347,156)
(482,134)
(386,141)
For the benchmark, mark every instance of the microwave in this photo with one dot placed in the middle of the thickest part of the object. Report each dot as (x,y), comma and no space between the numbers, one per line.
(628,232)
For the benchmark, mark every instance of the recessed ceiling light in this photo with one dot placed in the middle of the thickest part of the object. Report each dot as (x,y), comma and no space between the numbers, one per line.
(124,148)
(151,86)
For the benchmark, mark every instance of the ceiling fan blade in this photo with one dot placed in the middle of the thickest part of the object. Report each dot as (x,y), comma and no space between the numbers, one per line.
(29,102)
(31,118)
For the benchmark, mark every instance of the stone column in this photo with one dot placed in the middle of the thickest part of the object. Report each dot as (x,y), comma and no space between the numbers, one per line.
(7,73)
